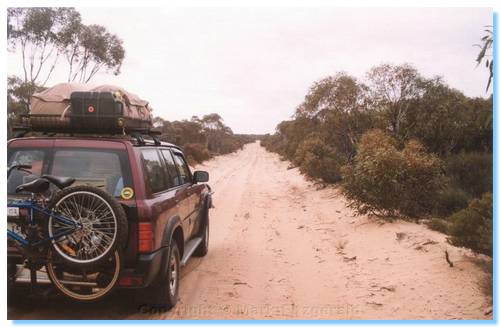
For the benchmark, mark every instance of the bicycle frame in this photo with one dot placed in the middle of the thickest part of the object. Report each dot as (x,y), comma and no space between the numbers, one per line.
(33,207)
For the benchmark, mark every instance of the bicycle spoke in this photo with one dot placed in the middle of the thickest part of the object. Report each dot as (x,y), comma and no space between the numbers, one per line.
(98,226)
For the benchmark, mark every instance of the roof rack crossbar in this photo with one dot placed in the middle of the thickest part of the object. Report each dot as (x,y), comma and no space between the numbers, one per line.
(139,138)
(155,139)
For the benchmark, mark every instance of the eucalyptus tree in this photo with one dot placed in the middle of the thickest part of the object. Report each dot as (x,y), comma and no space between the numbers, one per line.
(42,35)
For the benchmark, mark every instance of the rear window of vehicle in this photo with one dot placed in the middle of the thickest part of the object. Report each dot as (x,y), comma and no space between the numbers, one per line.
(106,169)
(156,179)
(173,176)
(34,157)
(182,167)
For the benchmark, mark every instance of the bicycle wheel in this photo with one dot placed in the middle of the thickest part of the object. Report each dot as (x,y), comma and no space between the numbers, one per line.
(102,220)
(82,284)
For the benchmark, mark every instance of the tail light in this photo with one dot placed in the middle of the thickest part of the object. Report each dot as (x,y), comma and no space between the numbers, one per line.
(130,281)
(146,237)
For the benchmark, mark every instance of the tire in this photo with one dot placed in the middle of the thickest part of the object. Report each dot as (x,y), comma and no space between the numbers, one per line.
(112,231)
(202,249)
(106,282)
(163,294)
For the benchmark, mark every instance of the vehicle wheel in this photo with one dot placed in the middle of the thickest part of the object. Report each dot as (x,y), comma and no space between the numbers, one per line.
(164,291)
(103,221)
(82,284)
(202,249)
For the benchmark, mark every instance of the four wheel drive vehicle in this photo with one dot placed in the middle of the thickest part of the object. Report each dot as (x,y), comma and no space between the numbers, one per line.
(127,213)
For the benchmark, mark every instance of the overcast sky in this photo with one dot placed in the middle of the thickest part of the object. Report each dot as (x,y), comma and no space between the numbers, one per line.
(254,66)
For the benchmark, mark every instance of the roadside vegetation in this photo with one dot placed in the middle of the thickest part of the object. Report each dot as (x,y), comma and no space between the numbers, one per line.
(400,145)
(202,138)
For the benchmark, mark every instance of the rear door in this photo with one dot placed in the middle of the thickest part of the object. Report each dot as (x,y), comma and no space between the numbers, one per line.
(181,189)
(193,196)
(162,196)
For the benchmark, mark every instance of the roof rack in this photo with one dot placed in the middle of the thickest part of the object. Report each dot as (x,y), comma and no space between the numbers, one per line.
(21,131)
(138,134)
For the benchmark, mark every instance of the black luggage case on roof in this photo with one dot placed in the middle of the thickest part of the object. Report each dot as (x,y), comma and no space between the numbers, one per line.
(94,111)
(103,112)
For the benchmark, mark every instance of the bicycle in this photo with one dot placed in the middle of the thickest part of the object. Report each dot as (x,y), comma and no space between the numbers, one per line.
(73,231)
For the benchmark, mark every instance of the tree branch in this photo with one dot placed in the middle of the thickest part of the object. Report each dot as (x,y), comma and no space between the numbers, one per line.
(94,71)
(51,70)
(23,49)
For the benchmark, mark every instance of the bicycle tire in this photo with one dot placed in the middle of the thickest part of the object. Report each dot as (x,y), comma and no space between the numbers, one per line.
(119,229)
(76,294)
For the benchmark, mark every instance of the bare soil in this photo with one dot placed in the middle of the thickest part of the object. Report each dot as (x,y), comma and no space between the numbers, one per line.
(281,247)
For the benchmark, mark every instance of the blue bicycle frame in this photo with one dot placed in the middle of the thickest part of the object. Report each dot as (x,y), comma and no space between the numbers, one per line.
(33,207)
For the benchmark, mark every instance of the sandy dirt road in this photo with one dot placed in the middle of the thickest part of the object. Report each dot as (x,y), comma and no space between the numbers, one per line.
(282,249)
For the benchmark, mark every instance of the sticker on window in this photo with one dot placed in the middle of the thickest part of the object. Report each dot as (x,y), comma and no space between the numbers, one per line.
(127,193)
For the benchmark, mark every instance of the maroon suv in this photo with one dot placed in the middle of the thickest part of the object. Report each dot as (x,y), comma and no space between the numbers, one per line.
(166,205)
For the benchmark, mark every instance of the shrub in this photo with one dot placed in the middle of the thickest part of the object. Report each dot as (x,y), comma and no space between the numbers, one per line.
(439,225)
(318,160)
(386,181)
(196,153)
(272,143)
(450,200)
(473,227)
(472,172)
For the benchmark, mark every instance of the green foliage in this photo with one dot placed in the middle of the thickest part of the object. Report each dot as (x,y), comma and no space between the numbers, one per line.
(92,49)
(394,88)
(291,133)
(426,148)
(448,122)
(219,138)
(318,160)
(439,225)
(473,227)
(201,138)
(337,108)
(386,181)
(396,99)
(43,35)
(18,99)
(327,126)
(195,153)
(471,171)
(451,199)
(485,52)
(272,142)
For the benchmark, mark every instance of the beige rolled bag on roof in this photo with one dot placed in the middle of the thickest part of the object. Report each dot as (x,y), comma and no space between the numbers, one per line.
(50,110)
(47,108)
(135,107)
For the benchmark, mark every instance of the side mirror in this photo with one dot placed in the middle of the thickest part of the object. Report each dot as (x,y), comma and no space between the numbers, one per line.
(200,176)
